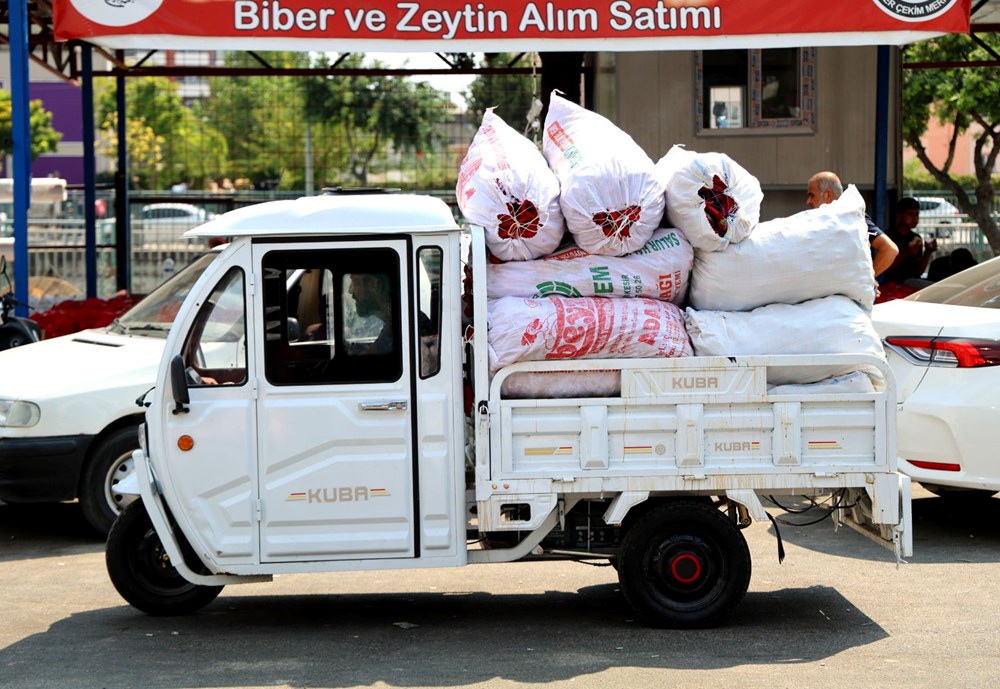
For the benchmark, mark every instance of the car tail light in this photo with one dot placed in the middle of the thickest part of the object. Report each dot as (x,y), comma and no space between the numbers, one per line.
(948,351)
(936,466)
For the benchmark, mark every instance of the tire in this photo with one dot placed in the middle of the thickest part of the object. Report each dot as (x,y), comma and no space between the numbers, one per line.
(110,462)
(683,565)
(141,571)
(9,340)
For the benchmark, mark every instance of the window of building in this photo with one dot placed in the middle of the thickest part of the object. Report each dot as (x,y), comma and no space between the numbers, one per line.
(332,316)
(756,89)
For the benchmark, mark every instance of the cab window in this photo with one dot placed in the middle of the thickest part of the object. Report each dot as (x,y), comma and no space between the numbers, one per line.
(332,316)
(215,352)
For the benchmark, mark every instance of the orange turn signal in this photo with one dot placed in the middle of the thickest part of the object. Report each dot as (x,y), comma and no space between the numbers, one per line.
(185,443)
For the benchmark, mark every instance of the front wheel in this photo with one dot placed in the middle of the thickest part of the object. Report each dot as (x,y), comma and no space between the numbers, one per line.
(683,565)
(111,461)
(141,571)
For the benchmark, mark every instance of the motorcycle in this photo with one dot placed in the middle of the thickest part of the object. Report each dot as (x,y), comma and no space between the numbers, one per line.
(14,330)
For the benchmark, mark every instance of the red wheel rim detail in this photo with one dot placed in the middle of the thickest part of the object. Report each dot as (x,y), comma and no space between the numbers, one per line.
(685,561)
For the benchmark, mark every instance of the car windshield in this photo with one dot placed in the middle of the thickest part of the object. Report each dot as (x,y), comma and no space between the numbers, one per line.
(154,314)
(976,286)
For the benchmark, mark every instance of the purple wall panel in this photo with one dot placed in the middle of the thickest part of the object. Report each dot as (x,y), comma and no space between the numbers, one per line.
(64,102)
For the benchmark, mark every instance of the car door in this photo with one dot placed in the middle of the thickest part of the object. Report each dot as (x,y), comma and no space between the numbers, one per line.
(335,440)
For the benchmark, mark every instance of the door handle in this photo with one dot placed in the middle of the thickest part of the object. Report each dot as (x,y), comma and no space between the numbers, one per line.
(395,405)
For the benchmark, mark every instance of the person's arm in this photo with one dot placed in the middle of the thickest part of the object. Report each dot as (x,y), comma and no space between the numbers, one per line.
(885,253)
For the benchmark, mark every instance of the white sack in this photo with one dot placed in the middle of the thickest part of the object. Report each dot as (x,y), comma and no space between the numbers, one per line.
(562,384)
(816,253)
(583,327)
(505,185)
(831,325)
(659,270)
(713,200)
(611,196)
(852,384)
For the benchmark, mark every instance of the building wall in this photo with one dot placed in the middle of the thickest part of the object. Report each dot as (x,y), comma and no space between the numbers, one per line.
(64,101)
(653,100)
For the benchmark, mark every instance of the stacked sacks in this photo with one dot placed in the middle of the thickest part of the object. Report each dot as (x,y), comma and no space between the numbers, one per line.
(798,285)
(505,185)
(577,305)
(610,192)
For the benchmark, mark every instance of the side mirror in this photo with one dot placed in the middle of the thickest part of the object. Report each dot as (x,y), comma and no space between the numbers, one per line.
(178,381)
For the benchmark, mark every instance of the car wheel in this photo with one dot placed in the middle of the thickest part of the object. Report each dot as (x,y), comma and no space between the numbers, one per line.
(141,572)
(955,493)
(110,462)
(683,565)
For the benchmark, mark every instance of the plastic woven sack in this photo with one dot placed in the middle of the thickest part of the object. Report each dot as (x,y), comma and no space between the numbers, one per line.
(713,200)
(813,254)
(583,328)
(611,196)
(505,185)
(831,325)
(659,270)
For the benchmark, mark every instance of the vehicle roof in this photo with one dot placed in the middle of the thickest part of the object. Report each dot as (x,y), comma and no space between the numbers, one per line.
(333,214)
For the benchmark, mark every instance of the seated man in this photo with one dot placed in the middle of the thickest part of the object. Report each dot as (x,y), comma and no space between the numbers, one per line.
(372,298)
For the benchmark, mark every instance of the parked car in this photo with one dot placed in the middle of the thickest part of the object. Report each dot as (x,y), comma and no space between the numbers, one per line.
(943,344)
(179,216)
(936,212)
(68,412)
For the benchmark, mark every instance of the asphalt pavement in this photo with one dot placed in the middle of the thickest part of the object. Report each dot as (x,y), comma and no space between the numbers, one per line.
(837,612)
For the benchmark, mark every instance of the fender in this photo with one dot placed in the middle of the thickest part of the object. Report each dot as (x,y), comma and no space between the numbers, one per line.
(157,511)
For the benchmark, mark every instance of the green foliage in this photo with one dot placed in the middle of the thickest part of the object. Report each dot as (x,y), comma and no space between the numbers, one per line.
(510,94)
(962,97)
(167,142)
(375,113)
(44,139)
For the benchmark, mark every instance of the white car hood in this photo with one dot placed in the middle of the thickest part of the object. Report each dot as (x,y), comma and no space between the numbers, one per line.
(84,362)
(902,317)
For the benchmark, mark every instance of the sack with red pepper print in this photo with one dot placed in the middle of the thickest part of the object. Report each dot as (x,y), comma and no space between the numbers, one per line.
(583,328)
(505,185)
(710,197)
(610,193)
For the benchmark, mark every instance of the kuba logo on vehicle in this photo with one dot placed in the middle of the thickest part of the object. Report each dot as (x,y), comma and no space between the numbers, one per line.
(337,494)
(915,10)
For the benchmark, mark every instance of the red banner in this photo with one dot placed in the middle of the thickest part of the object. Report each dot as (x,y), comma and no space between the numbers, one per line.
(498,25)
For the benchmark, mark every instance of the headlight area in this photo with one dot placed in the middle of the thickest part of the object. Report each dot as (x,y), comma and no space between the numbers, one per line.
(18,414)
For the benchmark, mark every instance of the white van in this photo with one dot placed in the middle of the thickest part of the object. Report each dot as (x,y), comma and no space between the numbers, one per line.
(68,413)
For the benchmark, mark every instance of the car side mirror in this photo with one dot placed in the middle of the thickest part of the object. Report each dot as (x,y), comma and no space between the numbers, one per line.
(178,381)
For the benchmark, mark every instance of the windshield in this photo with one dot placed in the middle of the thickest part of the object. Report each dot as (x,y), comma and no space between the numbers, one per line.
(154,314)
(976,286)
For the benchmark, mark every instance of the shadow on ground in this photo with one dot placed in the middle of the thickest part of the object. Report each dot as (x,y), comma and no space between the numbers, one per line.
(421,640)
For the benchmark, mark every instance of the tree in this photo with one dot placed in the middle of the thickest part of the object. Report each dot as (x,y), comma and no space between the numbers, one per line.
(963,97)
(510,94)
(44,138)
(187,148)
(375,112)
(144,148)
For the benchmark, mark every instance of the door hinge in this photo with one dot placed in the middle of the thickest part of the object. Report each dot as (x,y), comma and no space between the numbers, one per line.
(258,510)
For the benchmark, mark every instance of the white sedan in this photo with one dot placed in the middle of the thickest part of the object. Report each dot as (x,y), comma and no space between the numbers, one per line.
(943,344)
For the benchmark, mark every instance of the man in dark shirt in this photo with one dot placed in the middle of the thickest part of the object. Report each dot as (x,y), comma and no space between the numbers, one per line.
(914,254)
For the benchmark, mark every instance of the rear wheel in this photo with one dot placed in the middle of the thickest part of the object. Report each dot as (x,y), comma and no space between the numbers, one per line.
(141,571)
(683,565)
